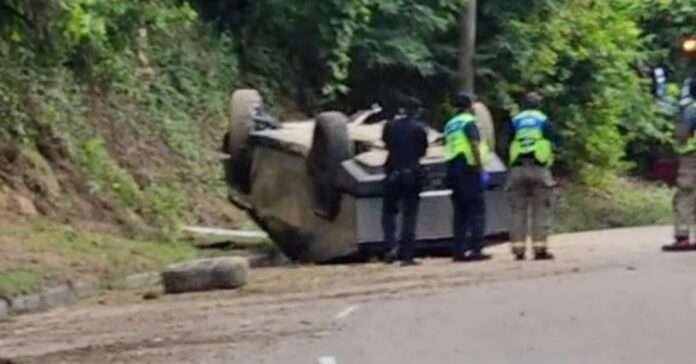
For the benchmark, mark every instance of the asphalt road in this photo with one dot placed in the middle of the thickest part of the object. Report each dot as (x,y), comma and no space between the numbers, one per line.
(636,309)
(609,297)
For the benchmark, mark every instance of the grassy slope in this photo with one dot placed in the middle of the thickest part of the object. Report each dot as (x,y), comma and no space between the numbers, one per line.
(43,253)
(621,202)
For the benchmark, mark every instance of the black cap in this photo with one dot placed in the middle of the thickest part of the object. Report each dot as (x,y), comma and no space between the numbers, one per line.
(533,100)
(464,100)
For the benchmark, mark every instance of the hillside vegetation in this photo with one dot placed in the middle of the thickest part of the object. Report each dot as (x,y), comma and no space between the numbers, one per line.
(112,112)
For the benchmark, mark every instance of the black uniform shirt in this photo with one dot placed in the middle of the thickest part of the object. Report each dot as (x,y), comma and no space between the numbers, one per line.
(406,141)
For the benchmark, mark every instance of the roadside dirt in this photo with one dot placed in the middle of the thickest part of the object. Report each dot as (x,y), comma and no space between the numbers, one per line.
(216,327)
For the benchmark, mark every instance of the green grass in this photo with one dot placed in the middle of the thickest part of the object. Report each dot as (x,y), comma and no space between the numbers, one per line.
(18,282)
(42,254)
(620,202)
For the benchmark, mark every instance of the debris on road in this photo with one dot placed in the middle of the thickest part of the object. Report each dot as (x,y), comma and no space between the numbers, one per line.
(205,236)
(151,295)
(206,275)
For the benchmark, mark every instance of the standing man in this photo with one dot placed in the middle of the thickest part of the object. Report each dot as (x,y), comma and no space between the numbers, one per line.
(466,155)
(407,142)
(530,183)
(685,198)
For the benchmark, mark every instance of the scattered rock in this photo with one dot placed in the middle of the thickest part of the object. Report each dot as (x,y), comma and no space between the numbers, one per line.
(24,206)
(631,268)
(151,295)
(205,275)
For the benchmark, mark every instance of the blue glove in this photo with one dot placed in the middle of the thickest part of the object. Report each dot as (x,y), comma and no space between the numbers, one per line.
(485,179)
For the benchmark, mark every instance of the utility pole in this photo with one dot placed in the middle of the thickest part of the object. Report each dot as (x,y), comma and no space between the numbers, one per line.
(467,47)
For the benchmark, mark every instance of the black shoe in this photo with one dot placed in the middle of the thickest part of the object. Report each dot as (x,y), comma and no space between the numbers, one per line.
(543,254)
(459,259)
(520,256)
(410,263)
(478,257)
(391,256)
(680,245)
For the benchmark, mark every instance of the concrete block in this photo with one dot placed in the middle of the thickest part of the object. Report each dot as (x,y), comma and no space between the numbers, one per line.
(57,297)
(206,274)
(4,309)
(86,288)
(25,304)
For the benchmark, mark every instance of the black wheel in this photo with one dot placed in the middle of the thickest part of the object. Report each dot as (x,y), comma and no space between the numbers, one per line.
(331,145)
(242,107)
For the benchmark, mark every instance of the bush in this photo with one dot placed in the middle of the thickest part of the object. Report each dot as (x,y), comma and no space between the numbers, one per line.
(620,202)
(106,176)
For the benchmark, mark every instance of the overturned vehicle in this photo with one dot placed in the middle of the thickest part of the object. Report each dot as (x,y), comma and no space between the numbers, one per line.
(315,186)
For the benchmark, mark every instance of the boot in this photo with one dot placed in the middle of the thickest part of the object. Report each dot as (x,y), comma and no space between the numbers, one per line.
(542,254)
(519,251)
(519,255)
(681,243)
(477,256)
(392,255)
(410,263)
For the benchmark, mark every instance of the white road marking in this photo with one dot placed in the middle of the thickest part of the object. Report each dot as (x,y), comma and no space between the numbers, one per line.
(327,360)
(347,312)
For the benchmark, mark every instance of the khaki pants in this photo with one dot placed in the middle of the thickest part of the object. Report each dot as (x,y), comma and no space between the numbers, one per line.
(685,199)
(530,193)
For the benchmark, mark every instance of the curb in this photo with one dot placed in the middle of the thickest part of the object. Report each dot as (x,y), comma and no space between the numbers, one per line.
(4,308)
(71,292)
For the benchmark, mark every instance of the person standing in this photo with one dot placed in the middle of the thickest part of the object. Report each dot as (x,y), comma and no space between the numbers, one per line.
(685,198)
(530,182)
(466,155)
(406,142)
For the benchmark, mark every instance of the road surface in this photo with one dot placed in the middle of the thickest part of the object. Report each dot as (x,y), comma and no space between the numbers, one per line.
(610,297)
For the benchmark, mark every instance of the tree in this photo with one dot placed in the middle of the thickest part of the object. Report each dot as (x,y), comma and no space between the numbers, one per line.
(468,46)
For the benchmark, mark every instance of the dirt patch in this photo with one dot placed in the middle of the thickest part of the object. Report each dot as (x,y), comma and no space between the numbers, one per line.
(43,180)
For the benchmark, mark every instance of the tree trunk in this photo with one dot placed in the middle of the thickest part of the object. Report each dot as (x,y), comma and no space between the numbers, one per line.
(468,47)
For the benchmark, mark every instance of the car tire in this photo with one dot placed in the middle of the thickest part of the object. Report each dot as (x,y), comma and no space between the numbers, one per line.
(331,145)
(242,105)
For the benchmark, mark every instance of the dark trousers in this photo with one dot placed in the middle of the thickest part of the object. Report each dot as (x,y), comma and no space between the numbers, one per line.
(401,194)
(469,208)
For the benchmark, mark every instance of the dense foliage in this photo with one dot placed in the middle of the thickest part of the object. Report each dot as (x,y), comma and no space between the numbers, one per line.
(177,60)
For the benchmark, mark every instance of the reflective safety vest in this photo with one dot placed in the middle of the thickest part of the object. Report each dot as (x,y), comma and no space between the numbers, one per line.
(690,146)
(457,142)
(529,138)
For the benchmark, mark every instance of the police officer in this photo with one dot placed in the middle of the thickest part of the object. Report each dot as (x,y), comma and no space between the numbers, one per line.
(466,154)
(685,198)
(530,182)
(406,141)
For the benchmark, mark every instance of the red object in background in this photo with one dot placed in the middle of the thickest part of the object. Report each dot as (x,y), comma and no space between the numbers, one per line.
(665,170)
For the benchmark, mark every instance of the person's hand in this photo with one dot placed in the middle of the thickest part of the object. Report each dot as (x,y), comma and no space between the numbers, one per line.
(485,178)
